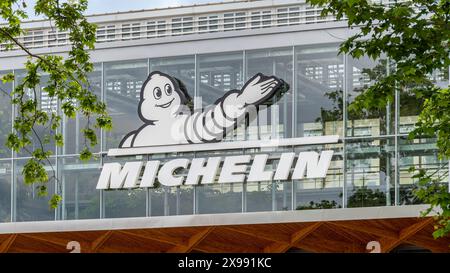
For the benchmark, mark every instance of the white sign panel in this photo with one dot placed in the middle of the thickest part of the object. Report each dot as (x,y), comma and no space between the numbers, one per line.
(170,125)
(205,170)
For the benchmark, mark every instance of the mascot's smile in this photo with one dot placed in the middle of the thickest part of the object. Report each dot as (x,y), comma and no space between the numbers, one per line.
(165,105)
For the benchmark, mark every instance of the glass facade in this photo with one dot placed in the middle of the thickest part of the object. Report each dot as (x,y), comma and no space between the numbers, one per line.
(369,167)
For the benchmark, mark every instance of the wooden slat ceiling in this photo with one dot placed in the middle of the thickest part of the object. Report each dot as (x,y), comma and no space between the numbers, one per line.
(328,236)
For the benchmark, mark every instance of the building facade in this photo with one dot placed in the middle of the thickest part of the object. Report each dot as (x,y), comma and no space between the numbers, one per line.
(213,49)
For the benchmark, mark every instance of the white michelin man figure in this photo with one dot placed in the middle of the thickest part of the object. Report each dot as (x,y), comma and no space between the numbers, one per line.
(168,120)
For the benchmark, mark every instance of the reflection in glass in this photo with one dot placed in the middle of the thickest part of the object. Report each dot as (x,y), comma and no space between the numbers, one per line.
(411,105)
(321,193)
(46,104)
(29,205)
(123,202)
(122,84)
(320,79)
(420,154)
(273,121)
(370,173)
(268,196)
(362,73)
(219,198)
(171,200)
(318,110)
(73,135)
(5,190)
(81,198)
(218,74)
(5,115)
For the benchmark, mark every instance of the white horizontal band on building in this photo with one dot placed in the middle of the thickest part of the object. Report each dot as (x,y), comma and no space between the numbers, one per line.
(301,141)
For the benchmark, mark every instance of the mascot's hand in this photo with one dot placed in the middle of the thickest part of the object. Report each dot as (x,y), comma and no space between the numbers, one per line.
(257,89)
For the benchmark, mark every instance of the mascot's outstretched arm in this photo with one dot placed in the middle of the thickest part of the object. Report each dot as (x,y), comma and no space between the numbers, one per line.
(213,124)
(168,119)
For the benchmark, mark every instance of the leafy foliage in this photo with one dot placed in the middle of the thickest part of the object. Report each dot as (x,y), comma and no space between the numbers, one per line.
(415,36)
(324,204)
(365,197)
(431,189)
(67,84)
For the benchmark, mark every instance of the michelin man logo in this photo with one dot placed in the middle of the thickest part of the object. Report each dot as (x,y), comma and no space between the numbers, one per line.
(168,119)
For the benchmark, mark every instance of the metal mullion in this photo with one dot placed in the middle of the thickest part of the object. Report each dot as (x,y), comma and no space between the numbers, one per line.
(344,131)
(148,203)
(102,97)
(244,184)
(294,121)
(396,147)
(13,154)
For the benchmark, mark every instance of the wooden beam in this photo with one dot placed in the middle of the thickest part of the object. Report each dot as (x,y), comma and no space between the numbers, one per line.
(351,235)
(358,241)
(387,244)
(46,239)
(432,244)
(296,237)
(100,241)
(192,242)
(7,243)
(156,239)
(255,234)
(365,228)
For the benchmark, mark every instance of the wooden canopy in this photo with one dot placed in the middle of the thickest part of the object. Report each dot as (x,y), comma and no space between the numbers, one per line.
(327,235)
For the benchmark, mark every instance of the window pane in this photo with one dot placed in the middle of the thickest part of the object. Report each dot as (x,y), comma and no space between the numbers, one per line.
(268,196)
(411,106)
(123,82)
(321,193)
(30,206)
(362,73)
(220,198)
(81,198)
(5,190)
(421,154)
(46,104)
(218,74)
(73,135)
(320,72)
(5,115)
(123,202)
(171,200)
(275,121)
(370,173)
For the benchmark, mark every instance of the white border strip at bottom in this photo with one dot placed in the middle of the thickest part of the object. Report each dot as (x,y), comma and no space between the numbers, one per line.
(199,220)
(301,141)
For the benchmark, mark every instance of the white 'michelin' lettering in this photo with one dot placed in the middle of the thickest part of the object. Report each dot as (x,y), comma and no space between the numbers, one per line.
(166,175)
(198,170)
(151,170)
(257,172)
(205,170)
(113,176)
(284,166)
(234,168)
(309,162)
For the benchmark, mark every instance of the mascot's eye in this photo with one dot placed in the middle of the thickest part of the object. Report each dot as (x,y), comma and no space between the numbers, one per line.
(168,89)
(157,93)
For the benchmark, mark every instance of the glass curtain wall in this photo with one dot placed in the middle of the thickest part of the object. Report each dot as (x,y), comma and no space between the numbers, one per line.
(369,168)
(216,75)
(180,200)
